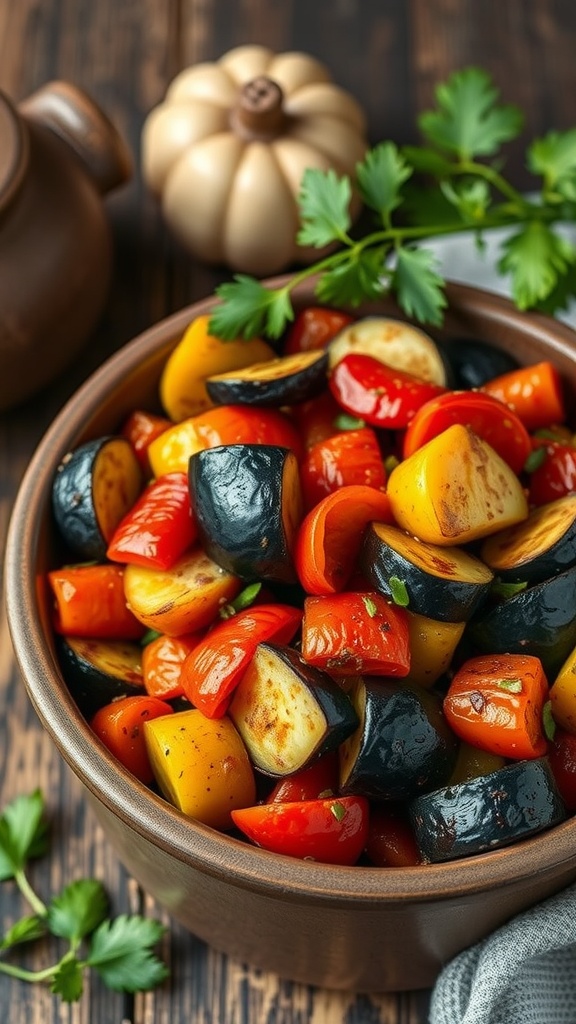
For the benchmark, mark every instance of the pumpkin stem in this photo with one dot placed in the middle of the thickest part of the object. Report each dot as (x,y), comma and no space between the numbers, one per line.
(259,113)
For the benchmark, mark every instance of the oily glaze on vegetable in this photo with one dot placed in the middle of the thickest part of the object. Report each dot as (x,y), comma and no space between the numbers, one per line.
(304,585)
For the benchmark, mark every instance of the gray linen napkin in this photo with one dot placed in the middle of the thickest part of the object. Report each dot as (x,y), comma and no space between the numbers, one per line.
(523,973)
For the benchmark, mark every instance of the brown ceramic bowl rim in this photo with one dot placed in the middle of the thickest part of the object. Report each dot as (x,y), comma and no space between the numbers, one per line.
(211,852)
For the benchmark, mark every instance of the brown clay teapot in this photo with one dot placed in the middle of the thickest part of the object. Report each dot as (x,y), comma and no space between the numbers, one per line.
(59,155)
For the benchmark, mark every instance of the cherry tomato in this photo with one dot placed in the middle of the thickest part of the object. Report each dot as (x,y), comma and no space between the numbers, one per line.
(562,758)
(329,537)
(352,457)
(320,779)
(159,527)
(314,327)
(162,661)
(216,665)
(555,475)
(489,418)
(391,841)
(534,393)
(355,633)
(120,726)
(377,393)
(496,702)
(89,600)
(333,830)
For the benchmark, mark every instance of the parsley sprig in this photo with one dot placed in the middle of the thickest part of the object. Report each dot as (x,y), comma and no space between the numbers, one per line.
(121,950)
(453,183)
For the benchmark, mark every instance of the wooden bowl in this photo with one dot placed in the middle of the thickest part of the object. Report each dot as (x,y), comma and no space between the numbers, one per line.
(359,928)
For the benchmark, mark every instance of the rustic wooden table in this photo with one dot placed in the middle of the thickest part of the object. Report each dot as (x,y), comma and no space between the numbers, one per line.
(389,55)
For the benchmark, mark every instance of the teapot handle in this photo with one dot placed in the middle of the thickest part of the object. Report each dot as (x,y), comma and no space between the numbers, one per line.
(72,115)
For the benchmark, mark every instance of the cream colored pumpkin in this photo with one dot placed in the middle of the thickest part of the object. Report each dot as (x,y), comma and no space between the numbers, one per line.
(226,151)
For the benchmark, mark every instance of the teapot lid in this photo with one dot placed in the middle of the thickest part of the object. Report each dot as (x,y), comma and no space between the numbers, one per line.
(13,151)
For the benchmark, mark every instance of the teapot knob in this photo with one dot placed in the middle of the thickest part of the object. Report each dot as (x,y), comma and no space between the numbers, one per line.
(72,115)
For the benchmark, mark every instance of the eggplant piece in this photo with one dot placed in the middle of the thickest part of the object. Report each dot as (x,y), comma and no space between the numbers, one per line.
(540,620)
(542,546)
(247,501)
(289,713)
(94,487)
(474,362)
(277,382)
(487,812)
(395,343)
(403,745)
(443,583)
(99,671)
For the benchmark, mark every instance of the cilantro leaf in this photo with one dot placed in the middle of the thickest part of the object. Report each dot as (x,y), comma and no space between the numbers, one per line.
(554,157)
(536,258)
(67,980)
(427,161)
(418,286)
(78,910)
(27,929)
(249,308)
(352,282)
(380,178)
(121,952)
(470,197)
(324,203)
(23,834)
(468,121)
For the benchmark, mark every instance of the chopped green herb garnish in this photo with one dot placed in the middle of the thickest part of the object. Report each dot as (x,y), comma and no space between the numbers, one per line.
(346,422)
(338,810)
(452,183)
(548,721)
(399,592)
(511,685)
(243,600)
(369,606)
(149,636)
(121,950)
(505,590)
(536,458)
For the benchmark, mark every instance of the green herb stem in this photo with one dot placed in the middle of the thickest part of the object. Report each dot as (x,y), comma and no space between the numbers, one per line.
(28,893)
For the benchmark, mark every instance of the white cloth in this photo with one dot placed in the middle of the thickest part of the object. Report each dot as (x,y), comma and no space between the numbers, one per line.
(523,973)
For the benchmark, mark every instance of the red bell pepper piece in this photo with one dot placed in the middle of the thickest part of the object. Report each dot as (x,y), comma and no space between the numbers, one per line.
(381,395)
(391,842)
(320,779)
(162,661)
(215,667)
(159,527)
(333,830)
(534,393)
(330,535)
(120,727)
(496,701)
(314,327)
(89,601)
(350,457)
(355,633)
(488,417)
(555,475)
(562,758)
(141,428)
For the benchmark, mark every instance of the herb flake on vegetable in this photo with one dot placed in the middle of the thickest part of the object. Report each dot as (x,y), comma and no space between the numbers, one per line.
(452,184)
(121,950)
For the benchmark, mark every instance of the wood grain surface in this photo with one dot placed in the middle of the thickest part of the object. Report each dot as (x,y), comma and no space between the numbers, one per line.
(389,54)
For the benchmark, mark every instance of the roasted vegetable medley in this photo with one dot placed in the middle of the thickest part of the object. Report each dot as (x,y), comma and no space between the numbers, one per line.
(323,596)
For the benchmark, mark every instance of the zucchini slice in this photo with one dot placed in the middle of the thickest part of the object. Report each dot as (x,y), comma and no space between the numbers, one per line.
(487,812)
(247,502)
(541,546)
(94,487)
(540,620)
(393,342)
(402,746)
(99,671)
(444,583)
(287,712)
(474,362)
(283,381)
